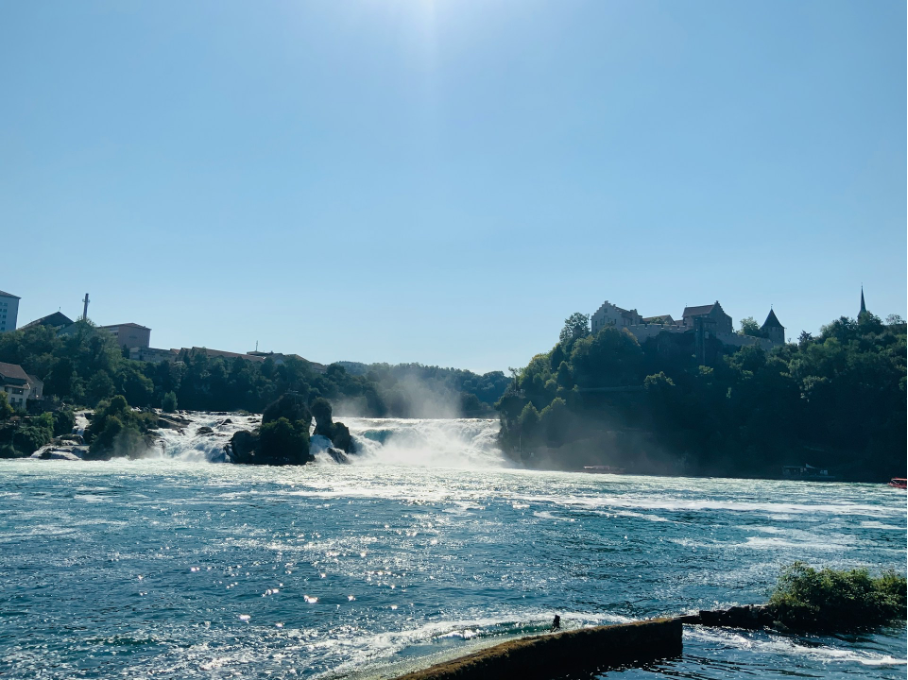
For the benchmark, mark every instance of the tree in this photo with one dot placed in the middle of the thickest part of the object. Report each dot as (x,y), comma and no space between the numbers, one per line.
(576,326)
(894,320)
(6,411)
(284,443)
(749,326)
(169,402)
(101,386)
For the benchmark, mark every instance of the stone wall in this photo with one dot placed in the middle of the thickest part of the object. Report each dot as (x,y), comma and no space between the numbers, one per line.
(552,656)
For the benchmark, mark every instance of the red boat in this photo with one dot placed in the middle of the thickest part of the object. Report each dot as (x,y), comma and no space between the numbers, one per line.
(899,483)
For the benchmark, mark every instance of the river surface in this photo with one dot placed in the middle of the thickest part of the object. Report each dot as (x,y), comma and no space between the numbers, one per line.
(428,545)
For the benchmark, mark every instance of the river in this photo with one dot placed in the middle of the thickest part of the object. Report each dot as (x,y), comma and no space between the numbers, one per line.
(427,545)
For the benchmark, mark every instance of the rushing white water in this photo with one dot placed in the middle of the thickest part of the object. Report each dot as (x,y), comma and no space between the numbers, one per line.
(463,443)
(195,443)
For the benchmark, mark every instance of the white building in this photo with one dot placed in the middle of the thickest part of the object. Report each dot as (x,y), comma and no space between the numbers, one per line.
(18,385)
(9,311)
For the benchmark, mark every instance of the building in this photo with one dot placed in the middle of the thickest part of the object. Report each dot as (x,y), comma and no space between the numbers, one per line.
(153,355)
(712,317)
(18,385)
(130,335)
(612,315)
(772,329)
(56,320)
(9,311)
(707,323)
(279,358)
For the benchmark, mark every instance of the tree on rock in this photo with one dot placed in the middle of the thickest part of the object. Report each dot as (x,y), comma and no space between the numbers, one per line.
(282,442)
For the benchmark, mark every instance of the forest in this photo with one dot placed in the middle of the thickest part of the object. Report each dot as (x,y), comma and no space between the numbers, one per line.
(836,401)
(85,366)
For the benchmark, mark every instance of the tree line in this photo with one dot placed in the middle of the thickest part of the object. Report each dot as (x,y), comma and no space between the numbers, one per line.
(835,401)
(86,366)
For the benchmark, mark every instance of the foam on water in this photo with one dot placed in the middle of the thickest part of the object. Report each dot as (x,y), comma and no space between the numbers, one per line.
(171,567)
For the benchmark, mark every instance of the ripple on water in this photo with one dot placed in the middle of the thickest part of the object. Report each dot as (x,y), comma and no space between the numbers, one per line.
(363,566)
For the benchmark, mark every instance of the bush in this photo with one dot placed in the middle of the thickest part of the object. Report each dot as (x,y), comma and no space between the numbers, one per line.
(117,430)
(831,600)
(284,443)
(169,402)
(64,421)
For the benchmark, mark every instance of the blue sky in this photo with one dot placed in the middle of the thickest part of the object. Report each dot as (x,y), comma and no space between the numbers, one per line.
(446,181)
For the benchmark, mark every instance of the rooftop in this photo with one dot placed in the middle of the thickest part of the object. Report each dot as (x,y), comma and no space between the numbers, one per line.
(772,321)
(126,325)
(55,320)
(10,295)
(12,372)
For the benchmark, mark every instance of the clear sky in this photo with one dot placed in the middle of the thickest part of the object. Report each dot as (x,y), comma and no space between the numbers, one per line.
(445,181)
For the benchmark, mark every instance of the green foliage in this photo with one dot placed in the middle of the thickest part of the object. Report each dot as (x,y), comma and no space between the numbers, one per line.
(283,442)
(836,401)
(100,386)
(64,420)
(117,430)
(831,600)
(749,326)
(6,410)
(576,326)
(86,366)
(169,402)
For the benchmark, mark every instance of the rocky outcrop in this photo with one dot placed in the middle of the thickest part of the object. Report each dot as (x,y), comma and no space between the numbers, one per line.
(750,617)
(282,438)
(242,446)
(337,432)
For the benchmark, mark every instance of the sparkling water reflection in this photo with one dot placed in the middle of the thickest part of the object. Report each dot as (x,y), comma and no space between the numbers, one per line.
(173,569)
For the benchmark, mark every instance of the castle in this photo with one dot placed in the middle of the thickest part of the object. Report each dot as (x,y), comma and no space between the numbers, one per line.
(705,321)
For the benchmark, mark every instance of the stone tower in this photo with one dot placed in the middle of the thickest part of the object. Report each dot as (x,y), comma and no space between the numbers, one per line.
(773,329)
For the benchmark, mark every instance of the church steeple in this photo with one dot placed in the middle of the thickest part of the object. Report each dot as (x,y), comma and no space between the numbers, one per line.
(863,306)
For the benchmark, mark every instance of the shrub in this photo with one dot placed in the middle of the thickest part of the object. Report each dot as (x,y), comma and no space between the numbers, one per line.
(169,402)
(117,430)
(831,600)
(284,443)
(64,421)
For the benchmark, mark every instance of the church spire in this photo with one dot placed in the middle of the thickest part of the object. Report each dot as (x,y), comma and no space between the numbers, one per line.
(863,306)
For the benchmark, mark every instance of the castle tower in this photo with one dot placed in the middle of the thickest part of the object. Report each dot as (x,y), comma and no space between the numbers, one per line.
(773,329)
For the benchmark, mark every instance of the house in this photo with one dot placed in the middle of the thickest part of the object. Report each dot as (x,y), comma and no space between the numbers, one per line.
(712,318)
(55,320)
(9,311)
(18,385)
(612,315)
(130,335)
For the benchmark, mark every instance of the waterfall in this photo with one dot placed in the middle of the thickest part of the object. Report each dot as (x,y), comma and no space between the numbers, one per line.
(456,443)
(204,436)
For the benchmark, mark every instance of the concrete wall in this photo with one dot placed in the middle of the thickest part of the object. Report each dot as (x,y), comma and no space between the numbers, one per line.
(553,656)
(130,336)
(9,313)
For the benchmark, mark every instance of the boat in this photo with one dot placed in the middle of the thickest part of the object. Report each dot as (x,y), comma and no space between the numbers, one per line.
(603,470)
(898,483)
